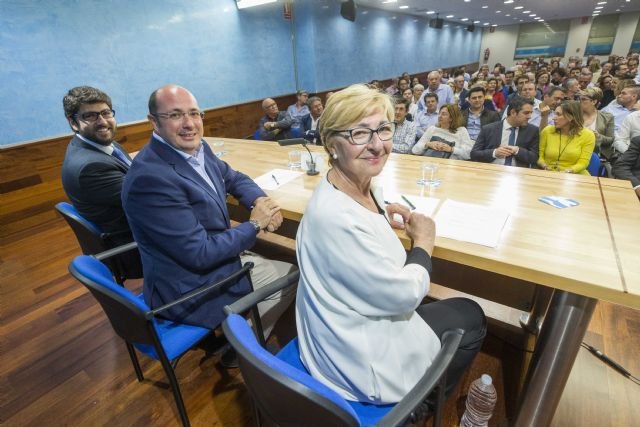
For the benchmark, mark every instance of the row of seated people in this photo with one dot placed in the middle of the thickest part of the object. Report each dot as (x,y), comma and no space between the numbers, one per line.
(172,198)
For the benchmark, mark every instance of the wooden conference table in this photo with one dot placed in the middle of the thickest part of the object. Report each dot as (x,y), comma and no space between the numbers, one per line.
(583,253)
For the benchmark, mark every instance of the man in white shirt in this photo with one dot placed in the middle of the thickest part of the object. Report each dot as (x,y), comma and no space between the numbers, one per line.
(444,92)
(629,128)
(623,105)
(541,111)
(405,135)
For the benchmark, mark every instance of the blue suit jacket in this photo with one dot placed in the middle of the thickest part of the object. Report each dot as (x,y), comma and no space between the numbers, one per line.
(183,232)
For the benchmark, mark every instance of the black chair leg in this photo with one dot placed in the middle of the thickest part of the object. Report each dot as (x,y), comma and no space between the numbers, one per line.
(437,417)
(134,361)
(256,413)
(176,391)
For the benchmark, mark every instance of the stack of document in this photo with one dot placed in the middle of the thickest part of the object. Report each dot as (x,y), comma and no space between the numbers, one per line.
(469,222)
(276,178)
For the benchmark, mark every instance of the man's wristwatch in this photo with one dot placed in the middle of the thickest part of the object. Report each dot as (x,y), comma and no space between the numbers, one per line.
(256,225)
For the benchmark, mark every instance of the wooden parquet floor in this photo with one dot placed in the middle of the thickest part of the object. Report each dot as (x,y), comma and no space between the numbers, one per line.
(62,365)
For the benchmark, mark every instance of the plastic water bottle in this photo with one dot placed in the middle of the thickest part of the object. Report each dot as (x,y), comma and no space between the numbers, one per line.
(481,401)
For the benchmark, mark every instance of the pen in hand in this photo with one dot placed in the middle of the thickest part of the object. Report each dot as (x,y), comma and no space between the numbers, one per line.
(411,205)
(275,179)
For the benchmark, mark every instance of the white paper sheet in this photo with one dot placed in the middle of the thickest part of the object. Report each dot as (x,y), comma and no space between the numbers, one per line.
(470,223)
(276,178)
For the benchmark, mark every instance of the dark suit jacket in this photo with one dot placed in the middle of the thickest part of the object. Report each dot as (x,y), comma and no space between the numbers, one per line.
(92,180)
(310,135)
(183,231)
(628,164)
(486,117)
(490,138)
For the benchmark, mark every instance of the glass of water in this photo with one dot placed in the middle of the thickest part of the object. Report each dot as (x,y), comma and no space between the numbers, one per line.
(428,174)
(217,148)
(294,158)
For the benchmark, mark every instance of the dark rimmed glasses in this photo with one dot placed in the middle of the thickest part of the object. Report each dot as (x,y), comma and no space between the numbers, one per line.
(362,135)
(92,116)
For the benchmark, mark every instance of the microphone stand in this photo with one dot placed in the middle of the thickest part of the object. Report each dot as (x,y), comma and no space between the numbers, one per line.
(312,171)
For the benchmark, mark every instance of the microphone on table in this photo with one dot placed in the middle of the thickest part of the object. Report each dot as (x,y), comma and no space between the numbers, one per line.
(301,141)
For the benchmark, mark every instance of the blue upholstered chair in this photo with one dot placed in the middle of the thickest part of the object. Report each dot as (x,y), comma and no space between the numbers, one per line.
(594,165)
(138,325)
(93,240)
(285,393)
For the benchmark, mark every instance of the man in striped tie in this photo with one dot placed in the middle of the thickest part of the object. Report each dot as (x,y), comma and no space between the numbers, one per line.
(95,165)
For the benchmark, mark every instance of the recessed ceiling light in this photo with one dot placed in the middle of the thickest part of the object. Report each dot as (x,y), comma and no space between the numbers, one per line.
(518,7)
(430,12)
(598,7)
(541,20)
(494,25)
(602,2)
(498,11)
(464,19)
(508,14)
(467,1)
(389,1)
(532,15)
(486,23)
(521,20)
(508,1)
(449,16)
(617,10)
(526,11)
(404,7)
(446,25)
(476,22)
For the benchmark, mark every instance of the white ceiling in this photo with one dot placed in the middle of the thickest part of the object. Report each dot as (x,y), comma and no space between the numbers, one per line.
(503,12)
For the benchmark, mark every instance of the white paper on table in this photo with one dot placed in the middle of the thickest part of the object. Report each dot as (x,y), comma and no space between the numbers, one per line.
(282,176)
(471,223)
(424,205)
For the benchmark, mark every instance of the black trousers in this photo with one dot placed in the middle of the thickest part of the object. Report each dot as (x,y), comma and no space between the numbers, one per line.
(456,313)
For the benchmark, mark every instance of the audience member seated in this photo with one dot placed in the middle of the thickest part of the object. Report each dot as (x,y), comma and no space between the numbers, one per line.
(494,94)
(300,109)
(459,88)
(630,128)
(449,139)
(585,80)
(405,135)
(543,82)
(623,105)
(599,122)
(476,116)
(175,199)
(444,92)
(558,76)
(393,88)
(507,87)
(310,121)
(417,93)
(628,165)
(541,111)
(606,85)
(511,139)
(94,164)
(520,81)
(408,95)
(572,88)
(275,124)
(567,145)
(362,329)
(426,116)
(403,84)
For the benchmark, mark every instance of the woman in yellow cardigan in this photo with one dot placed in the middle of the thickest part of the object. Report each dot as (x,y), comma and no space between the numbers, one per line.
(567,145)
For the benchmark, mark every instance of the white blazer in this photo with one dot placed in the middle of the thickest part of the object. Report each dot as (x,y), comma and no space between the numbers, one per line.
(357,326)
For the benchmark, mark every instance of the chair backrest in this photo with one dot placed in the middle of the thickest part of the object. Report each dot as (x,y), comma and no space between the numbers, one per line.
(594,164)
(125,310)
(88,234)
(286,395)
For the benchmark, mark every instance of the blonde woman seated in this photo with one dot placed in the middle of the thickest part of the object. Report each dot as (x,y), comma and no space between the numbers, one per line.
(362,331)
(601,123)
(448,139)
(567,145)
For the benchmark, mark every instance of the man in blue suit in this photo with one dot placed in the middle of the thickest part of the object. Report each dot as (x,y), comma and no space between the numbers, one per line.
(174,196)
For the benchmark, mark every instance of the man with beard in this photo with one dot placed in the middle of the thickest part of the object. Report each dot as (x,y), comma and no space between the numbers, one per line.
(95,165)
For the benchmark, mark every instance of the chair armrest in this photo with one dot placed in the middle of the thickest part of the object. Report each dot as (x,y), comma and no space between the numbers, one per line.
(105,236)
(250,300)
(116,251)
(202,290)
(450,342)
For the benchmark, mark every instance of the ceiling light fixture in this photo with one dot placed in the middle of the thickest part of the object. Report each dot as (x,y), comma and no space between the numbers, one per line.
(389,1)
(508,1)
(485,7)
(404,7)
(476,22)
(464,19)
(518,7)
(449,16)
(430,12)
(243,4)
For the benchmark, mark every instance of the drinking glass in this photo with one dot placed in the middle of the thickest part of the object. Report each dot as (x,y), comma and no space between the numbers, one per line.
(294,158)
(428,174)
(217,148)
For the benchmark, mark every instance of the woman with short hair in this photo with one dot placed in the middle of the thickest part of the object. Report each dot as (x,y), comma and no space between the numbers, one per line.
(362,330)
(600,123)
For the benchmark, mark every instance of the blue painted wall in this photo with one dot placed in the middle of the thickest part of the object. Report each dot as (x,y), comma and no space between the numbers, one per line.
(224,56)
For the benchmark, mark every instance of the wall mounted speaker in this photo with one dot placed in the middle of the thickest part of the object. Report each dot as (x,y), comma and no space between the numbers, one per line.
(348,10)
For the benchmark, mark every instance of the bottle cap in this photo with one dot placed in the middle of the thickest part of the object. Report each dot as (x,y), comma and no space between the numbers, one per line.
(486,379)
